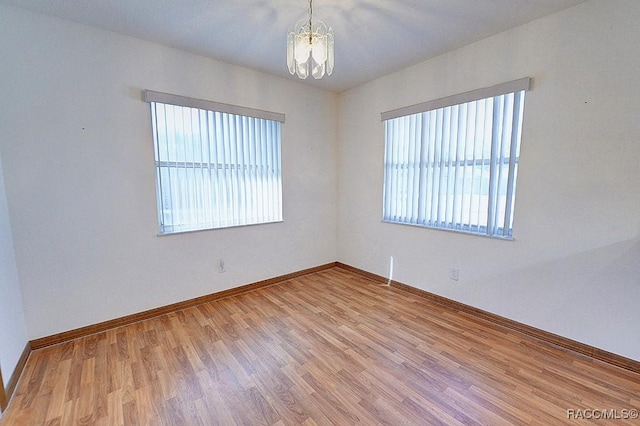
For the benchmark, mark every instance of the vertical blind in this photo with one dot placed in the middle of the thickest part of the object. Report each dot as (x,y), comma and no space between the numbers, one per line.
(455,167)
(215,169)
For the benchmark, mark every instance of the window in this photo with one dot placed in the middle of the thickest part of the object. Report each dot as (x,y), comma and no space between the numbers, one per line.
(217,165)
(452,163)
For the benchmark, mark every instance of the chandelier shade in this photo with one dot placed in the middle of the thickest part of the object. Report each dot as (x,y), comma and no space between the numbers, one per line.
(310,48)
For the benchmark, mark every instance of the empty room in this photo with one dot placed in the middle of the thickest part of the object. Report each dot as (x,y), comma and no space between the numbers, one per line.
(399,212)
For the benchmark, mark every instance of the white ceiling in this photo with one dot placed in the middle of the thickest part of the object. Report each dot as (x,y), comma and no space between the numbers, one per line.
(372,37)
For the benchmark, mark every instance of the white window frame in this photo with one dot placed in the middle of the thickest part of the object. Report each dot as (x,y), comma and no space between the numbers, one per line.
(431,161)
(217,165)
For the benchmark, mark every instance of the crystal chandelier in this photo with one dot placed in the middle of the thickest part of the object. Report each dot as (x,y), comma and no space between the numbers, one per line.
(310,48)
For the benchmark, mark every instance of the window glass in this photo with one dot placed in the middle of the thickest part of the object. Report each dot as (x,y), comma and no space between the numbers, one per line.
(215,169)
(455,167)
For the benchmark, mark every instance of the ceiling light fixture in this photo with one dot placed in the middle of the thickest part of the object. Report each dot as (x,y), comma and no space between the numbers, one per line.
(310,48)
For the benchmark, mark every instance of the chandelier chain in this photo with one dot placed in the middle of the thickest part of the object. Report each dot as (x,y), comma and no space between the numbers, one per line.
(310,27)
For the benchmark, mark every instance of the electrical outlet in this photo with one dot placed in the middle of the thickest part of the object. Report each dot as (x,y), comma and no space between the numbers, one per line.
(453,273)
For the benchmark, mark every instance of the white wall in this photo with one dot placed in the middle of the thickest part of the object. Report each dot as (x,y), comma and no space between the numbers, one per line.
(13,329)
(574,267)
(76,146)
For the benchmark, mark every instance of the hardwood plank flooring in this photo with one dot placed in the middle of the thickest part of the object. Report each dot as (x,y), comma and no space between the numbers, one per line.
(330,347)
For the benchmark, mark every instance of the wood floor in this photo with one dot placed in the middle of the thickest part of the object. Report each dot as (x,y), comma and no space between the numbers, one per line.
(325,348)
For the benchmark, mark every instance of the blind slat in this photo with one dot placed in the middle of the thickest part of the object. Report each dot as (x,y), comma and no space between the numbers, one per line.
(455,167)
(215,169)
